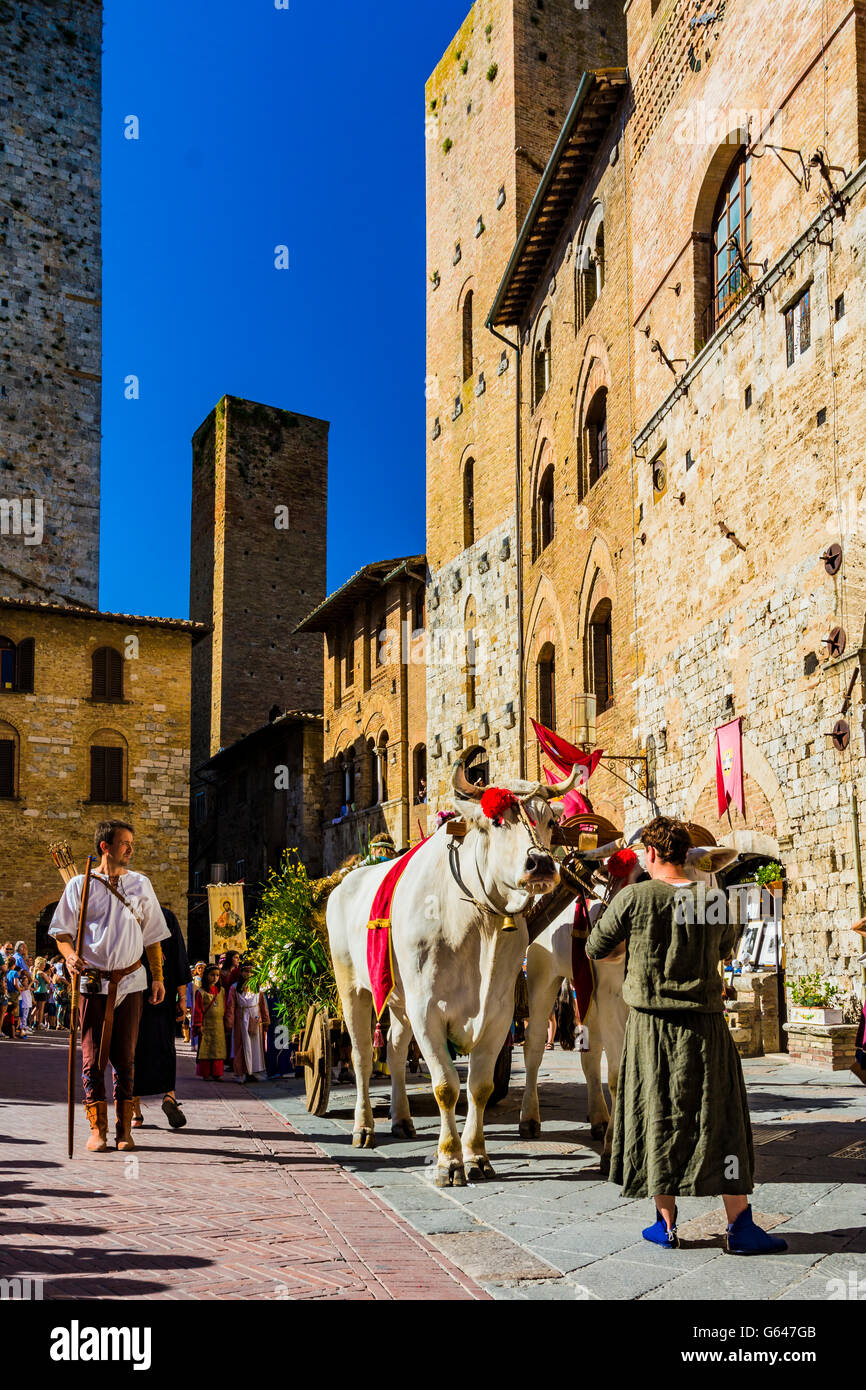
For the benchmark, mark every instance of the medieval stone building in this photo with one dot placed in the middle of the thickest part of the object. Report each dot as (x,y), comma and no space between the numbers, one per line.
(375,754)
(257,567)
(94,725)
(648,498)
(50,297)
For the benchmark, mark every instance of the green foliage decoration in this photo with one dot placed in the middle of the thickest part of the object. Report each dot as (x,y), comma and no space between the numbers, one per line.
(492,71)
(814,992)
(289,947)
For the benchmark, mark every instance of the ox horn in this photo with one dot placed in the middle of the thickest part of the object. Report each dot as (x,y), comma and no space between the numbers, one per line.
(461,784)
(555,790)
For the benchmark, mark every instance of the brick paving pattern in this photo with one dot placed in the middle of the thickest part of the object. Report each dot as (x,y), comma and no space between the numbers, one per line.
(237,1205)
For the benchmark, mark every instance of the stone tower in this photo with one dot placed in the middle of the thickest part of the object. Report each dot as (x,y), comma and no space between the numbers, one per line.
(494,108)
(257,567)
(50,316)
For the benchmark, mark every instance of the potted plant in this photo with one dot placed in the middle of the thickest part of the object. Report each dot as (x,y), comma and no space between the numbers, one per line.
(813,1000)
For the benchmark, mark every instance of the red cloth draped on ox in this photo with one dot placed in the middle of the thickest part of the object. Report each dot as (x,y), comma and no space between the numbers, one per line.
(582,972)
(379,959)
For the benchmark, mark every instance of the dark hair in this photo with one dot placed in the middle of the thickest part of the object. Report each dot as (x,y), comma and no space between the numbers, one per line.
(105,831)
(669,838)
(204,974)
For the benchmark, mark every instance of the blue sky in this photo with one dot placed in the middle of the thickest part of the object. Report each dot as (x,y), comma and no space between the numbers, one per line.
(260,127)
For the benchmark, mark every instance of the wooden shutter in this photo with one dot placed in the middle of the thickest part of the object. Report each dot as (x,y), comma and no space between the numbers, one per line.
(106,774)
(107,667)
(7,767)
(24,665)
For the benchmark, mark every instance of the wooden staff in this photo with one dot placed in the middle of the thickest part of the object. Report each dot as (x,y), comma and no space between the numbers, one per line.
(73,1020)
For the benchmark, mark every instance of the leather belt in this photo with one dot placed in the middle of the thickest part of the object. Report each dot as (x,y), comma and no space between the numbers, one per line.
(113,977)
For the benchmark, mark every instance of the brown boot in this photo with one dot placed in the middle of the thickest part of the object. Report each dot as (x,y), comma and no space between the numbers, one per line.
(97,1115)
(123,1110)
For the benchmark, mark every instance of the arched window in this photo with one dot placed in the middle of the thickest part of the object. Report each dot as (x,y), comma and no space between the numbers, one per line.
(8,760)
(546,671)
(372,773)
(599,656)
(108,767)
(418,611)
(589,262)
(107,674)
(340,782)
(595,438)
(542,363)
(7,664)
(599,259)
(468,504)
(349,778)
(16,665)
(467,336)
(477,767)
(382,753)
(469,622)
(419,775)
(379,633)
(731,241)
(544,521)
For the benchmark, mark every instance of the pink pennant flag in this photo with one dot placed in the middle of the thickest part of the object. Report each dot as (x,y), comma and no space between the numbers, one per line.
(729,767)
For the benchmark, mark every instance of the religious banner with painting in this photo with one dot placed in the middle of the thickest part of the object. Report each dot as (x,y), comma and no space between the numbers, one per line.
(228,931)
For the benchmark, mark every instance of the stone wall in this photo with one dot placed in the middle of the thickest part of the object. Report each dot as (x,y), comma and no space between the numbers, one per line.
(50,300)
(53,729)
(257,566)
(762,459)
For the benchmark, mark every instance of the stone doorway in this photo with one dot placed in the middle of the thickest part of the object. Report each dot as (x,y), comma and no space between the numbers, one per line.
(759,977)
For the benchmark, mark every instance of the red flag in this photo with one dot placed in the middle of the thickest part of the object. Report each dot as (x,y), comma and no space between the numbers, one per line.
(729,767)
(563,754)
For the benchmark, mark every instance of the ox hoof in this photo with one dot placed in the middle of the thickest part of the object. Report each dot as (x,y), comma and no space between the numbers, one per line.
(403,1129)
(363,1139)
(479,1170)
(452,1175)
(598,1131)
(529,1129)
(604,1165)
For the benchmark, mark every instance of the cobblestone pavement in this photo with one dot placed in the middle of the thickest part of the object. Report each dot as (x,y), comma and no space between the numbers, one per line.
(238,1205)
(548,1226)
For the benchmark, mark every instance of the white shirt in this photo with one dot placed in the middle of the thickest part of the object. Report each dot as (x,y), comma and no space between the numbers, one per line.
(114,938)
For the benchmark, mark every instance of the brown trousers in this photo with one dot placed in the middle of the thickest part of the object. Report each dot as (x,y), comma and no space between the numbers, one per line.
(121,1053)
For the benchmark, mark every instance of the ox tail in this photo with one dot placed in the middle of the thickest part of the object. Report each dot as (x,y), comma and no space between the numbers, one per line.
(564,1013)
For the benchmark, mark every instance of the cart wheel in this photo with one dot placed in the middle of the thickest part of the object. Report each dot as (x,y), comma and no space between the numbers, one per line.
(314,1055)
(502,1073)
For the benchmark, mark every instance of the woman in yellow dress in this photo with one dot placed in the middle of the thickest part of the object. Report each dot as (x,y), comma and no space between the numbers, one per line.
(208,1025)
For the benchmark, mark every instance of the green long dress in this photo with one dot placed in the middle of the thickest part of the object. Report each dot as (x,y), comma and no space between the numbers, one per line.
(681,1123)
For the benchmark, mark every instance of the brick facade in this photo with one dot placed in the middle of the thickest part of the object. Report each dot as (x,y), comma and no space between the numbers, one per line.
(50,299)
(53,728)
(260,478)
(494,108)
(375,754)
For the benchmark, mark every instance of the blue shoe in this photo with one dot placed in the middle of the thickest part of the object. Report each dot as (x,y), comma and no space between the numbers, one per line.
(658,1233)
(745,1238)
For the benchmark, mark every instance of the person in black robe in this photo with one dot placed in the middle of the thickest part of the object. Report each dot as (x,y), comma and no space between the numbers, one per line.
(155,1057)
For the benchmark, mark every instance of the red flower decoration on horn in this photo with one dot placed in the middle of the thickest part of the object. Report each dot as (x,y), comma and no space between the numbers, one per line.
(620,865)
(495,802)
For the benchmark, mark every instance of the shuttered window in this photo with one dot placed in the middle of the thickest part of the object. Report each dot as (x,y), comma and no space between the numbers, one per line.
(106,774)
(107,668)
(24,665)
(7,767)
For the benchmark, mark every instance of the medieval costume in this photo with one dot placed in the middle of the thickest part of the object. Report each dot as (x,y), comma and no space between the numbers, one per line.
(248,1018)
(124,919)
(682,1120)
(208,1020)
(155,1057)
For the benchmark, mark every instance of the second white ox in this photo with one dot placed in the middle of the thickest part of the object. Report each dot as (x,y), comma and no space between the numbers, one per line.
(549,963)
(455,955)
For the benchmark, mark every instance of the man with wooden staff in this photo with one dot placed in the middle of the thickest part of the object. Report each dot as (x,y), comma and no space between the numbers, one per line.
(123,920)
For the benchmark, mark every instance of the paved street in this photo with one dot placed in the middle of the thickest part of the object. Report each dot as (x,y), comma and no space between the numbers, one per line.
(549,1226)
(237,1205)
(258,1199)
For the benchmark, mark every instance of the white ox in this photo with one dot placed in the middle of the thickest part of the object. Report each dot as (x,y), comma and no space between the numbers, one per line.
(456,957)
(549,963)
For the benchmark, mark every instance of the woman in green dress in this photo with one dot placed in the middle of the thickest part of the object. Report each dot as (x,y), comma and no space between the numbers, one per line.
(681,1126)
